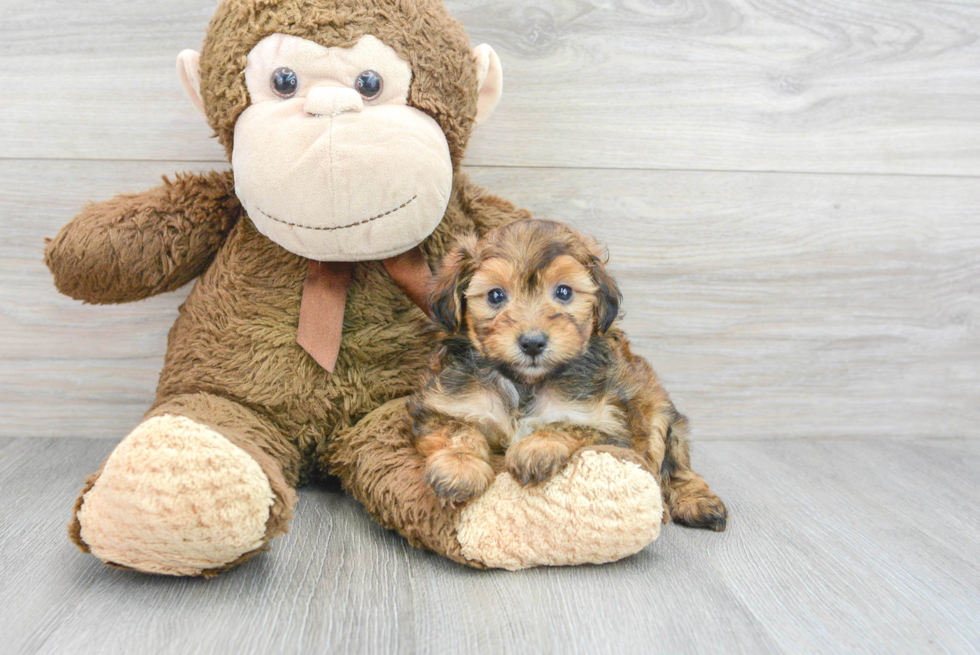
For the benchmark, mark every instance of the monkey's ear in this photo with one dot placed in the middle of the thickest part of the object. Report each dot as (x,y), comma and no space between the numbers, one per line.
(189,72)
(447,301)
(608,297)
(491,81)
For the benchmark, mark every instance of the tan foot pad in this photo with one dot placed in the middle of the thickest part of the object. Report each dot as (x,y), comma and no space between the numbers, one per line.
(177,498)
(598,509)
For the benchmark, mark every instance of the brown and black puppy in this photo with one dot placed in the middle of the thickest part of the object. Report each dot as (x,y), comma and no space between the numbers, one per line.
(530,362)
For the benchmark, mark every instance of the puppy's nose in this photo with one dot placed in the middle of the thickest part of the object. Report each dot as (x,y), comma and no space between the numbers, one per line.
(532,343)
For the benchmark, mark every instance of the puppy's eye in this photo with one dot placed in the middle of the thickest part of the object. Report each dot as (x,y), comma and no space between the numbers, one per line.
(496,297)
(285,82)
(369,84)
(563,293)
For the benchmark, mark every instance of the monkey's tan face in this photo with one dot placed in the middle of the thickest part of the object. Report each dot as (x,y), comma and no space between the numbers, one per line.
(330,161)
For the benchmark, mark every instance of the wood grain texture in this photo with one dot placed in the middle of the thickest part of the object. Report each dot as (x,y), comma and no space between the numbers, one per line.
(846,545)
(826,552)
(834,86)
(773,305)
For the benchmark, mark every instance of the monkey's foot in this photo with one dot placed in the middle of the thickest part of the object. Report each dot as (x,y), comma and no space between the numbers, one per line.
(175,497)
(600,508)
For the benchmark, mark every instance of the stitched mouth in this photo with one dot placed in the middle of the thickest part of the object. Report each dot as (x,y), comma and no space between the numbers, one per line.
(339,227)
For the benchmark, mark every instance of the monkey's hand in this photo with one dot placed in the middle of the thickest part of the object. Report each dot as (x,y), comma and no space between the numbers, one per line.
(138,245)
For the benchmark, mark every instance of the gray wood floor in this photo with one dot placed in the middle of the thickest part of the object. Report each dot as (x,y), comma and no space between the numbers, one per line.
(835,546)
(791,195)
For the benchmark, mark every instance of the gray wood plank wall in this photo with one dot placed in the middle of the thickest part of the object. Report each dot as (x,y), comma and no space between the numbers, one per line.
(790,192)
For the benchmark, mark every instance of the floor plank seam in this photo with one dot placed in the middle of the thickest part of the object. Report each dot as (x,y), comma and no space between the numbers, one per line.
(746,607)
(633,169)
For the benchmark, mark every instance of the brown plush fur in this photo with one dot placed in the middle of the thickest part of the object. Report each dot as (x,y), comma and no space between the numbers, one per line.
(232,360)
(382,469)
(138,245)
(573,384)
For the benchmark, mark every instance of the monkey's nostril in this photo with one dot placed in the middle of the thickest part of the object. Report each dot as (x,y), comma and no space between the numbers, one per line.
(532,343)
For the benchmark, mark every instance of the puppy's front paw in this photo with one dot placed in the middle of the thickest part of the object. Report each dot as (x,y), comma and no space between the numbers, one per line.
(537,457)
(457,476)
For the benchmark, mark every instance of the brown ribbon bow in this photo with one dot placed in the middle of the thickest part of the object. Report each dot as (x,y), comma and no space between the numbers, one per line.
(321,312)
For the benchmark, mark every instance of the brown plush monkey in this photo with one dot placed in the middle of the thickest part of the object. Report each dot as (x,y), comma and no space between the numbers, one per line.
(345,122)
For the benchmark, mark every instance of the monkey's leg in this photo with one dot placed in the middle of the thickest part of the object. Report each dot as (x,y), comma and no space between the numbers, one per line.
(200,485)
(603,506)
(689,500)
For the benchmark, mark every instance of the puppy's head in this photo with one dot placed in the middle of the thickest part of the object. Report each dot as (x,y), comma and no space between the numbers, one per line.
(530,295)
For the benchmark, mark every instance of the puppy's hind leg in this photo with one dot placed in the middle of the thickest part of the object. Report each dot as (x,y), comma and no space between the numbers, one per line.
(689,500)
(693,504)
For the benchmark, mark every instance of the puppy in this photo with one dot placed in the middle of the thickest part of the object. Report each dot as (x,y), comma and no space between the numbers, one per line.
(530,362)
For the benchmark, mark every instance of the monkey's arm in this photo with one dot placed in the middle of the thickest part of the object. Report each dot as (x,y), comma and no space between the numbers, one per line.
(138,245)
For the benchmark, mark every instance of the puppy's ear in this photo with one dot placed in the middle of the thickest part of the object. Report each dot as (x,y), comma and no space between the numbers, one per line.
(447,300)
(608,296)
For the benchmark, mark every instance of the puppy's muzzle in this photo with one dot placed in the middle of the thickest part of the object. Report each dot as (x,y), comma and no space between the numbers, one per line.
(532,344)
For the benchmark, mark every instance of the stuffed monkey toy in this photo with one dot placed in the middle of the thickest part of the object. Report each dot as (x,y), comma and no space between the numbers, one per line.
(345,122)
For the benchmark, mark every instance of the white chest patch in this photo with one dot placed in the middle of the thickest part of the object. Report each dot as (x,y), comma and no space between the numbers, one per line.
(495,411)
(506,424)
(549,408)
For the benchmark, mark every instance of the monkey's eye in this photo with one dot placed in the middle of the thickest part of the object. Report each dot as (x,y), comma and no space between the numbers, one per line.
(285,82)
(563,293)
(369,84)
(496,297)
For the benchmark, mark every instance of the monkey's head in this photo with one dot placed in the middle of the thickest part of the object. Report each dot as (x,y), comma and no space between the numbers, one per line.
(344,120)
